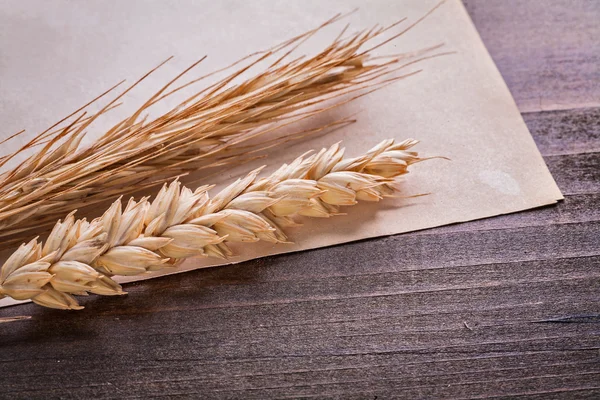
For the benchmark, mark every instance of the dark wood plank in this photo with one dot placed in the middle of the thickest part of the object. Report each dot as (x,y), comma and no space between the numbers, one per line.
(566,132)
(270,326)
(505,307)
(547,50)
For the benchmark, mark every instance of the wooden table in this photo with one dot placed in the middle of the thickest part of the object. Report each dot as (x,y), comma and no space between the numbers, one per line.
(508,306)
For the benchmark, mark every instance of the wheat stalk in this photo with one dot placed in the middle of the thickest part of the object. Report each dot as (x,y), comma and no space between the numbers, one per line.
(206,129)
(80,257)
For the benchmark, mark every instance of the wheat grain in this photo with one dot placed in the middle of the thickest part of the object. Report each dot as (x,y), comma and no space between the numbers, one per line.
(80,256)
(203,131)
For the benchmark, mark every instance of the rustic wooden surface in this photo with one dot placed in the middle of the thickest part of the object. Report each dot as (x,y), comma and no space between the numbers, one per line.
(505,307)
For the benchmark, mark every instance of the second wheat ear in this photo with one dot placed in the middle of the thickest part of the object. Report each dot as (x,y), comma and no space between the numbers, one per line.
(80,256)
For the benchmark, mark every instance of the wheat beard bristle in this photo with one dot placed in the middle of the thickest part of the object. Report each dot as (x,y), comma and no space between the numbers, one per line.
(80,256)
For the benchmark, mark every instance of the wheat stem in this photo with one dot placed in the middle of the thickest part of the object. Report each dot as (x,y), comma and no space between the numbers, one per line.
(80,256)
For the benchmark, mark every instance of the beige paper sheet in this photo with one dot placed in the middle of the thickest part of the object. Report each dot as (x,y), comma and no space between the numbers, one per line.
(57,55)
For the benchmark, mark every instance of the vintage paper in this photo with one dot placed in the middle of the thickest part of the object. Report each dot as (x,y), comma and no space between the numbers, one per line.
(57,55)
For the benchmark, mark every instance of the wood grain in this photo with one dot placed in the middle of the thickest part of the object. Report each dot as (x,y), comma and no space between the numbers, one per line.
(547,50)
(505,307)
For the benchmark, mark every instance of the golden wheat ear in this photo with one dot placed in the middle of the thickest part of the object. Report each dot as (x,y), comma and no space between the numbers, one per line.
(81,257)
(211,128)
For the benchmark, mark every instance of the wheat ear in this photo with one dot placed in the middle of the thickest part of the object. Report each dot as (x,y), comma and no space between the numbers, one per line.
(203,131)
(80,257)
